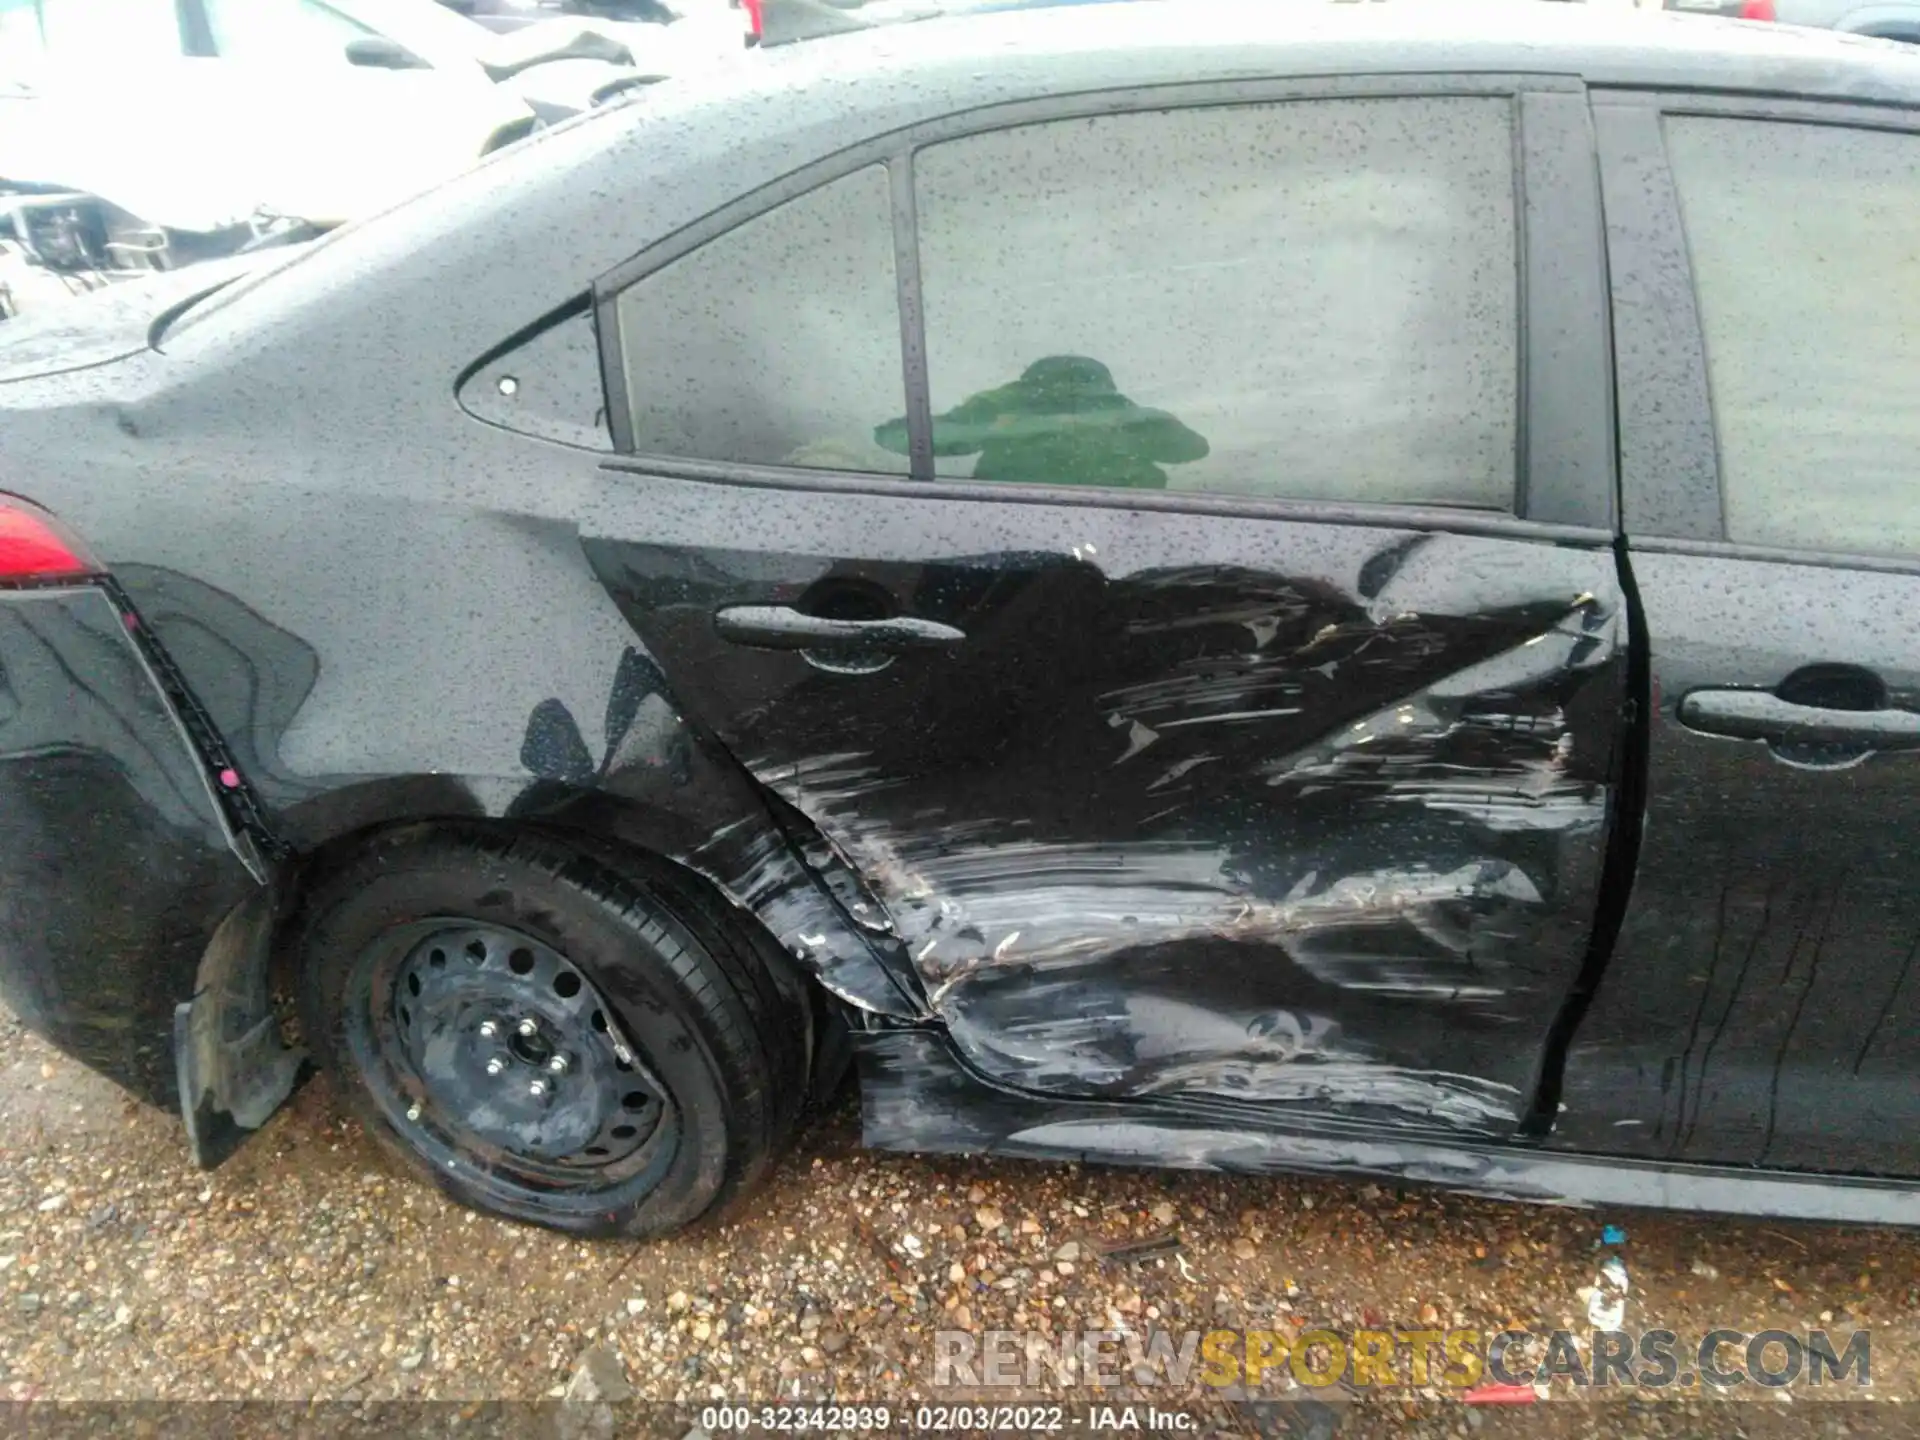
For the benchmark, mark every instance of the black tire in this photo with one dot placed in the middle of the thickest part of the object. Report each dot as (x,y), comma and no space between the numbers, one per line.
(714,1024)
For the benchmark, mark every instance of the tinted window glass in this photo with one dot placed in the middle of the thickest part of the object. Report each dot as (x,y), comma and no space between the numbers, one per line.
(1806,254)
(1314,299)
(779,342)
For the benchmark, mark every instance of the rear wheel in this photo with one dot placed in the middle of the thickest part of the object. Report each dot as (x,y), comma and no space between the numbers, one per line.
(583,1041)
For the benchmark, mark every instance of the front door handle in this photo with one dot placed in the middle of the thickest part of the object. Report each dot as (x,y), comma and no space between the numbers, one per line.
(781,627)
(1761,715)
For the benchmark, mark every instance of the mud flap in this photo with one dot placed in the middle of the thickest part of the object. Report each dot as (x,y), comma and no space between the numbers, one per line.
(220,1114)
(234,1066)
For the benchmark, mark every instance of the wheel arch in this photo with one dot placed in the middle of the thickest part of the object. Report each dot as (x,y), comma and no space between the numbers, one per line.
(750,859)
(236,1065)
(587,742)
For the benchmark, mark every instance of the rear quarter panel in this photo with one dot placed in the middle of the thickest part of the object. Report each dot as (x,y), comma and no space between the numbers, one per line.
(116,864)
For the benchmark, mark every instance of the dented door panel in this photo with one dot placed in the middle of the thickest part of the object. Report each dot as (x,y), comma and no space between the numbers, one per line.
(1308,814)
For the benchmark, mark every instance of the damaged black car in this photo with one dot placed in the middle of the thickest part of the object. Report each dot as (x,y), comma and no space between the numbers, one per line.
(1267,588)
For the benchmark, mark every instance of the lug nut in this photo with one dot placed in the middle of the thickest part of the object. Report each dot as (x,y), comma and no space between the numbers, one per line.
(537,1088)
(496,1065)
(558,1064)
(413,1112)
(489,1029)
(529,1026)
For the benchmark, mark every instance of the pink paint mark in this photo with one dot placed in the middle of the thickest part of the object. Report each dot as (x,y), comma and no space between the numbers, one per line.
(1501,1395)
(133,621)
(230,779)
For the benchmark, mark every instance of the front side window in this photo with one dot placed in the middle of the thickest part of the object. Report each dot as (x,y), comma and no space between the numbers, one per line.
(777,343)
(1805,243)
(1311,299)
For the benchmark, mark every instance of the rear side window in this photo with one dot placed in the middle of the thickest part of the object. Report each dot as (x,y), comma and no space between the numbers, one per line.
(777,343)
(1805,245)
(1312,299)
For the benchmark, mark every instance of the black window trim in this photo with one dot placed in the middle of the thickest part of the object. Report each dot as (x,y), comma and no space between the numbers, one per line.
(1678,506)
(1566,466)
(1563,466)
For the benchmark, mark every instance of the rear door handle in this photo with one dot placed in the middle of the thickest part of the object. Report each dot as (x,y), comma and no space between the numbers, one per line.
(781,627)
(1760,715)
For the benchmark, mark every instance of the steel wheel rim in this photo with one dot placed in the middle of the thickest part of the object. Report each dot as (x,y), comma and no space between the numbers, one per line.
(457,1025)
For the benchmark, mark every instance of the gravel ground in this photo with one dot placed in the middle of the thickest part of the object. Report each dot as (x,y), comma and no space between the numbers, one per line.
(306,1270)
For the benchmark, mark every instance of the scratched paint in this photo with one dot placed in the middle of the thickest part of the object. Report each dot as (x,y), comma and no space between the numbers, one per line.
(644,777)
(1245,797)
(1318,824)
(915,1097)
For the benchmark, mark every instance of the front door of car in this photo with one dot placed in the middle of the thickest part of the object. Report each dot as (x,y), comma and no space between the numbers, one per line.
(1760,1005)
(1213,678)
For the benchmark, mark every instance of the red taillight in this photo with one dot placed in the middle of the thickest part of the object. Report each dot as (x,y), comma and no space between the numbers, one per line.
(34,546)
(756,21)
(1757,10)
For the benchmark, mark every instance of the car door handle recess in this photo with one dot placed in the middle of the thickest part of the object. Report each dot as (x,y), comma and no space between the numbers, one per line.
(1761,715)
(781,627)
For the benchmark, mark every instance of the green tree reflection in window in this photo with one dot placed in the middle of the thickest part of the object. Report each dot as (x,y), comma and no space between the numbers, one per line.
(1063,422)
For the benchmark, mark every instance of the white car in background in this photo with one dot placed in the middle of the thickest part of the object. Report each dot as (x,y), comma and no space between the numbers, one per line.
(145,134)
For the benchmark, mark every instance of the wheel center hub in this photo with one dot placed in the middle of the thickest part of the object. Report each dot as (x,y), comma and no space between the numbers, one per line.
(512,1045)
(534,1049)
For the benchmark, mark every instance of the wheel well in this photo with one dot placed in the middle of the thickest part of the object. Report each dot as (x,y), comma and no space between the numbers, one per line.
(825,1014)
(335,852)
(237,1056)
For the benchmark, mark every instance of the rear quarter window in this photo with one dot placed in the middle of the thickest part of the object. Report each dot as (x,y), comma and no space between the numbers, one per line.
(549,385)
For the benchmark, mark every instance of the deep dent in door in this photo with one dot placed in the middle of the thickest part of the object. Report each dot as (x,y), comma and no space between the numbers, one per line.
(1380,918)
(1024,946)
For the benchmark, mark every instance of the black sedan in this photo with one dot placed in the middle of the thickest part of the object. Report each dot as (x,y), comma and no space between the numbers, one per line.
(1246,586)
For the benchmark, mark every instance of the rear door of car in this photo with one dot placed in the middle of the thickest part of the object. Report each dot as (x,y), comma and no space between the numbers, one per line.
(1163,541)
(1760,1004)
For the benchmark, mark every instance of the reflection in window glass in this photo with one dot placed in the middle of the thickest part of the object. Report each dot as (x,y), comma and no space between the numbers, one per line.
(777,343)
(1806,256)
(1313,299)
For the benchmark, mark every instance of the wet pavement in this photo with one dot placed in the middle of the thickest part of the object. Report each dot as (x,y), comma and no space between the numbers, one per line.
(307,1270)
